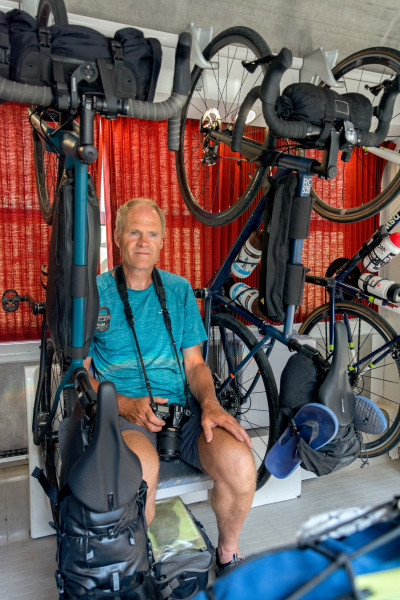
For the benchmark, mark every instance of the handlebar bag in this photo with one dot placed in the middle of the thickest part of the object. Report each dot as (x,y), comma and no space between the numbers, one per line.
(4,46)
(323,106)
(51,55)
(65,281)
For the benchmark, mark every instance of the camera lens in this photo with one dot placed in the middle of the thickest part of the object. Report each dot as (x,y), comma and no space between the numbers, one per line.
(169,443)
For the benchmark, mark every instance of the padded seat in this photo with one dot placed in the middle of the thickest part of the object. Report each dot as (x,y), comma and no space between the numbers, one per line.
(175,473)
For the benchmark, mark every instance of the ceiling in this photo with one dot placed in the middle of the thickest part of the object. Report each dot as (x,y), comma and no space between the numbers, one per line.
(301,25)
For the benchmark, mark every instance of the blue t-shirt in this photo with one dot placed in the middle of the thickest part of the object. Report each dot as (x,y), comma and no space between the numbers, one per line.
(114,352)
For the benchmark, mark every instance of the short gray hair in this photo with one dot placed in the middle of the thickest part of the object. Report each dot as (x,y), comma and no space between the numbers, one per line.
(125,208)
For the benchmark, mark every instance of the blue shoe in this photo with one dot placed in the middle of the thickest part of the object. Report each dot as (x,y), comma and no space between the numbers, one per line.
(368,417)
(316,424)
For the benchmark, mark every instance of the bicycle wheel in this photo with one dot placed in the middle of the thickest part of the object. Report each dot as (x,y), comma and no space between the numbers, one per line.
(49,166)
(251,395)
(377,380)
(49,414)
(217,185)
(370,189)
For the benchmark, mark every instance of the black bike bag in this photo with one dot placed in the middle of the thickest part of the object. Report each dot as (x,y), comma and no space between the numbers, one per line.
(286,217)
(66,281)
(102,545)
(126,66)
(323,106)
(4,46)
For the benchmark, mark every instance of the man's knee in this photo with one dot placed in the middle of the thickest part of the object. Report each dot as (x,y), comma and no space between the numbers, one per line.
(228,459)
(147,454)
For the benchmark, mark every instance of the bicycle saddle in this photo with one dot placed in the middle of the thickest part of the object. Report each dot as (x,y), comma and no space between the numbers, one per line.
(336,392)
(107,474)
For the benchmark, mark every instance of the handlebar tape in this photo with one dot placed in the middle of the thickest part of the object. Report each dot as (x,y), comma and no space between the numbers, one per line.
(23,93)
(43,95)
(385,113)
(238,130)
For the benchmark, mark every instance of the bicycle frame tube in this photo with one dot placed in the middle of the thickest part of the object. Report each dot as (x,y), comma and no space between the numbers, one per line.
(214,296)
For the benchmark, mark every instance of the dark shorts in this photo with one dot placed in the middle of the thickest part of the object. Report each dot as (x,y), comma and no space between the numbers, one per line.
(190,434)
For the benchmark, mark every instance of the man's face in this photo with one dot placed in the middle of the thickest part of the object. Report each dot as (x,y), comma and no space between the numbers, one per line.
(141,239)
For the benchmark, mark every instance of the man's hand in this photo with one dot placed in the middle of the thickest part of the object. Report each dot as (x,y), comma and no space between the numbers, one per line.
(213,415)
(138,410)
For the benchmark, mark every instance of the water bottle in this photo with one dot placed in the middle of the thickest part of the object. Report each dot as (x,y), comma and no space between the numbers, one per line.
(379,286)
(249,255)
(383,253)
(247,297)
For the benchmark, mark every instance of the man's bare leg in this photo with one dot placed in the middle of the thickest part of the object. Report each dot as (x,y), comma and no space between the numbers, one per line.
(231,466)
(140,444)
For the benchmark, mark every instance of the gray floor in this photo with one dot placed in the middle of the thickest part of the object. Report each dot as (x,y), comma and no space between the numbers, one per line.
(27,566)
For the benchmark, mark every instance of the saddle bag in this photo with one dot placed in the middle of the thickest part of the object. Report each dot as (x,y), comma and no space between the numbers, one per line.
(66,281)
(286,217)
(182,551)
(102,543)
(300,383)
(126,66)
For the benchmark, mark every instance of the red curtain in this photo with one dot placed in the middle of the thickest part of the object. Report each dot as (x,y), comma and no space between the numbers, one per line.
(24,236)
(135,162)
(142,166)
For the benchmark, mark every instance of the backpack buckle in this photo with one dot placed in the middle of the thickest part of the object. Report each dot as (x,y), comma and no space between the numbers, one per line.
(118,53)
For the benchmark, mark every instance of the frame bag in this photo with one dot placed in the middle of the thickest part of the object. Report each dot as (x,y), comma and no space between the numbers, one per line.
(66,281)
(286,217)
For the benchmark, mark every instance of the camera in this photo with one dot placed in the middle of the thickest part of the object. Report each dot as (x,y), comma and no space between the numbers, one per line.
(169,438)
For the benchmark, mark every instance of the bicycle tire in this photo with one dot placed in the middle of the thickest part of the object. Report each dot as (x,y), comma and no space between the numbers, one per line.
(216,184)
(230,340)
(333,200)
(47,416)
(49,166)
(381,382)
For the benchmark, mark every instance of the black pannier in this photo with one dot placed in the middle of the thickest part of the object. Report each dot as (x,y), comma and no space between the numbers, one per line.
(51,55)
(66,281)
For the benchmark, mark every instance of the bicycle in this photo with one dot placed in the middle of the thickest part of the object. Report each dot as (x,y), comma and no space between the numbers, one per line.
(63,150)
(237,357)
(218,182)
(374,346)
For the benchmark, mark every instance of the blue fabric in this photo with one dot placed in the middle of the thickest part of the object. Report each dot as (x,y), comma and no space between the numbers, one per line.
(114,353)
(277,574)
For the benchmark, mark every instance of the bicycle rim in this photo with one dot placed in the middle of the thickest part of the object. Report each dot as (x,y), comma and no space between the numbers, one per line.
(251,396)
(217,185)
(367,183)
(53,413)
(379,383)
(49,166)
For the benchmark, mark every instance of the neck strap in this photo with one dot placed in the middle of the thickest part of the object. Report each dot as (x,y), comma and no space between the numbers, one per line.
(120,281)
